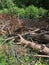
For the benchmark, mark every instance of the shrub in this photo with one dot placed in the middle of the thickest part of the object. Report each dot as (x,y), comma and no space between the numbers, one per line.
(42,12)
(5,11)
(28,12)
(1,11)
(19,11)
(32,12)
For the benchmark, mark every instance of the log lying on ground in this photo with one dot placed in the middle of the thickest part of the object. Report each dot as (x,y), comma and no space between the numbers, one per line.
(40,47)
(46,37)
(43,36)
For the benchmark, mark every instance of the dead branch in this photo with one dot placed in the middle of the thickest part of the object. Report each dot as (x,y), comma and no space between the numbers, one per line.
(31,32)
(43,56)
(43,36)
(10,38)
(40,47)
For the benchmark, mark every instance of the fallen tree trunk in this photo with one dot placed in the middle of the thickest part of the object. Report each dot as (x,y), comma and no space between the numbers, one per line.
(39,36)
(40,47)
(46,37)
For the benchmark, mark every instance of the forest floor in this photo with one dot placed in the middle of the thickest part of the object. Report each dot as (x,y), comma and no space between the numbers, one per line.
(23,41)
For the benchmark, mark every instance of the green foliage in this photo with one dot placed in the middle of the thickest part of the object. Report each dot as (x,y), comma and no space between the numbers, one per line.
(28,12)
(2,58)
(1,11)
(8,58)
(42,12)
(7,4)
(10,5)
(38,3)
(24,3)
(22,12)
(5,11)
(32,12)
(41,62)
(19,11)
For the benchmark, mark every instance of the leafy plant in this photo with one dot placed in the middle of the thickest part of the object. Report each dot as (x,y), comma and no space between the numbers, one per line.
(28,12)
(32,11)
(42,12)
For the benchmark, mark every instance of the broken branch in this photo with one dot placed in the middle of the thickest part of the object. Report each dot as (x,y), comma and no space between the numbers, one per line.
(40,47)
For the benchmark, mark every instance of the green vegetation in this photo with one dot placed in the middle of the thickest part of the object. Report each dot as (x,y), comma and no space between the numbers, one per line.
(38,3)
(28,9)
(7,57)
(28,12)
